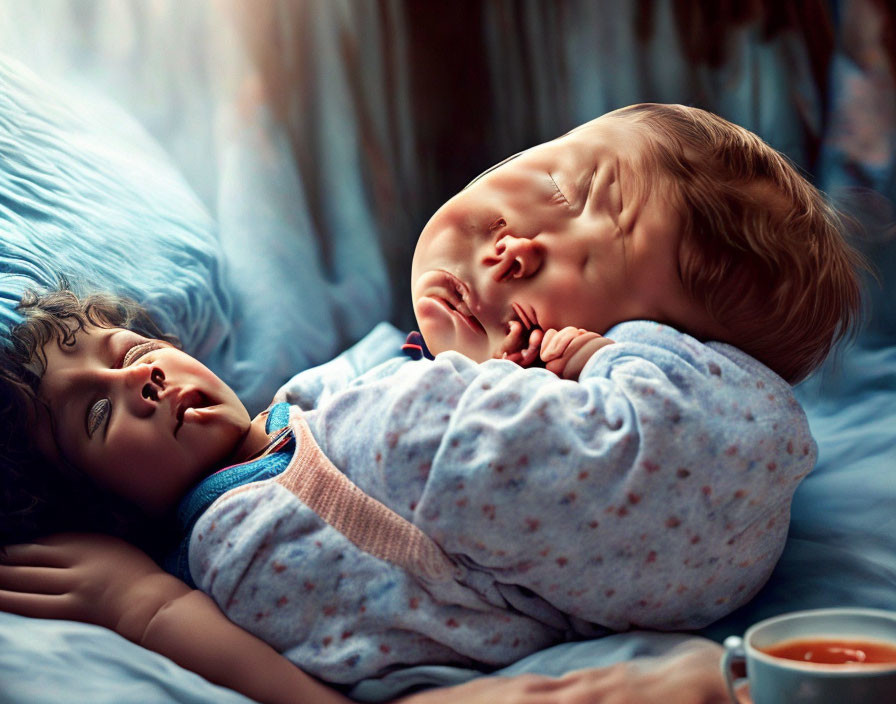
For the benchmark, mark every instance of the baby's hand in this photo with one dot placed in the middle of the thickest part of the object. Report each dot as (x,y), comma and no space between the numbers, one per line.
(566,351)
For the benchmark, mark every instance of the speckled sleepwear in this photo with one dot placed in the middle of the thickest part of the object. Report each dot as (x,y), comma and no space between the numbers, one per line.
(654,492)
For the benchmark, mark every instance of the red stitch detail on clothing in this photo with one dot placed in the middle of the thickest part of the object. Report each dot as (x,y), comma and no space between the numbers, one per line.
(199,537)
(211,528)
(609,593)
(745,563)
(423,469)
(379,457)
(495,639)
(499,468)
(633,498)
(545,552)
(771,397)
(715,369)
(790,447)
(740,493)
(732,450)
(414,602)
(721,600)
(583,475)
(452,623)
(561,561)
(532,525)
(650,466)
(673,522)
(346,635)
(488,511)
(362,609)
(318,544)
(385,648)
(771,466)
(593,524)
(681,589)
(412,506)
(706,489)
(805,449)
(327,640)
(259,615)
(695,539)
(309,585)
(392,439)
(682,473)
(329,610)
(278,567)
(282,601)
(523,460)
(651,556)
(760,384)
(461,502)
(623,511)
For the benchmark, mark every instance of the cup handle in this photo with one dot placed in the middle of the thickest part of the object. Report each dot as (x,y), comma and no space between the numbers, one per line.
(734,654)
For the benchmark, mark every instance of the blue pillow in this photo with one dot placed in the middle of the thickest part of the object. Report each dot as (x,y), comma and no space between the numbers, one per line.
(85,192)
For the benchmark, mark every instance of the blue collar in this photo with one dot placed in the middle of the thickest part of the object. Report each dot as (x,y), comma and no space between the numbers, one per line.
(198,499)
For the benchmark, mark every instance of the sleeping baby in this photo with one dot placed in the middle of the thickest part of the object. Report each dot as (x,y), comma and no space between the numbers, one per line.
(605,439)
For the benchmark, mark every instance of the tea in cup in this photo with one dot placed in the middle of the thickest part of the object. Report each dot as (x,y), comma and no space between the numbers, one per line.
(823,656)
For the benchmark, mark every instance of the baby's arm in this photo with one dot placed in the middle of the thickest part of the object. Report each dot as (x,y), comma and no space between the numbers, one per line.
(565,352)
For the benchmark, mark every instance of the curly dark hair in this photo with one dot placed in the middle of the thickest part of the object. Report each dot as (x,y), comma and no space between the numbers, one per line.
(38,497)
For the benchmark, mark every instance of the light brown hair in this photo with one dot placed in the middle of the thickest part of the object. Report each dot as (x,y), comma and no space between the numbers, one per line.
(763,249)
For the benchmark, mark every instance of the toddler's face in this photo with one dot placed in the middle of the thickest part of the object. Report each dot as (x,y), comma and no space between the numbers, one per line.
(575,231)
(140,417)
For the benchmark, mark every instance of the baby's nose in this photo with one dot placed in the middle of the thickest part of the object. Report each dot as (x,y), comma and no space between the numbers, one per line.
(515,258)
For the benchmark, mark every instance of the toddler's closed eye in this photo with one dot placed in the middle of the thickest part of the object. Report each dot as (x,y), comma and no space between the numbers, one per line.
(97,415)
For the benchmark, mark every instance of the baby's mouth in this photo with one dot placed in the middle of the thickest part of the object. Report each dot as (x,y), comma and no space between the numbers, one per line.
(190,399)
(455,296)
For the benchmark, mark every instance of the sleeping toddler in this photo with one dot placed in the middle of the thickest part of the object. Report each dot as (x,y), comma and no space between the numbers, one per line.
(606,438)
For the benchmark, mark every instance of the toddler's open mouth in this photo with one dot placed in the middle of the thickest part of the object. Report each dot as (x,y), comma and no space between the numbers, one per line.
(194,398)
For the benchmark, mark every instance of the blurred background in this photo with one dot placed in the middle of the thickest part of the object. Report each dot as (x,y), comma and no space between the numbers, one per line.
(383,109)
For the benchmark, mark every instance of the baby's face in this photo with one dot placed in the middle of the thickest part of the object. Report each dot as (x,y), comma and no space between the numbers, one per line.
(140,417)
(575,231)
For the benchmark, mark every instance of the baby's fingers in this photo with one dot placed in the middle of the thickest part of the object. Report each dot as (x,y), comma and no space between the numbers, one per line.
(554,344)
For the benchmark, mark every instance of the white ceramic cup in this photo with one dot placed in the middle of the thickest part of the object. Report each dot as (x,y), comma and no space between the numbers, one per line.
(775,680)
